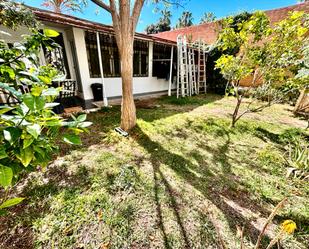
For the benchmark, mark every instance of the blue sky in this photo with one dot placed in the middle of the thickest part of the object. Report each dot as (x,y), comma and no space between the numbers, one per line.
(221,8)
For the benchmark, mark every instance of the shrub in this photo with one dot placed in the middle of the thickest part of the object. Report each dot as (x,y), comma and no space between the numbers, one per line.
(29,128)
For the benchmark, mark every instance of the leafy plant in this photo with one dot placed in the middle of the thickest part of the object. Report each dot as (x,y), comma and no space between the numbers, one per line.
(269,56)
(29,128)
(164,23)
(298,156)
(14,14)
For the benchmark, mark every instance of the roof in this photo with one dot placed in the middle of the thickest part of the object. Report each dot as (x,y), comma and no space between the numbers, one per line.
(208,32)
(72,21)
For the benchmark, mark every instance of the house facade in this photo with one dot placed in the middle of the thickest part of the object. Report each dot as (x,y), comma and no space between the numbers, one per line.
(90,55)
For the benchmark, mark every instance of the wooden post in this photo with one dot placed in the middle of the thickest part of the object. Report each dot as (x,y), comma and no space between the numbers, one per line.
(171,70)
(101,70)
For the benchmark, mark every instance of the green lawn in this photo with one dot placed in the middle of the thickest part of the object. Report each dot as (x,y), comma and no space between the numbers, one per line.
(183,179)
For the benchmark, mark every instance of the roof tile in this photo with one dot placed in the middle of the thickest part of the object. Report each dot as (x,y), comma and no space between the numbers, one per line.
(208,32)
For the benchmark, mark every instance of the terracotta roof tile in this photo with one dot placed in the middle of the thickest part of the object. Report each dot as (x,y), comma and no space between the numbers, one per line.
(209,31)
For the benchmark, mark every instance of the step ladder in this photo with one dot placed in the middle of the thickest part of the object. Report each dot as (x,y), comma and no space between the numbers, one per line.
(183,88)
(192,72)
(201,78)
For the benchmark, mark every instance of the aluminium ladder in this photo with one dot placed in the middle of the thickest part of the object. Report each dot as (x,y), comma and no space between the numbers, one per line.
(183,88)
(192,72)
(201,78)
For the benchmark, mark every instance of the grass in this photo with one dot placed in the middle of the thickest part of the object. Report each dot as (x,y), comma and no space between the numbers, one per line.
(183,179)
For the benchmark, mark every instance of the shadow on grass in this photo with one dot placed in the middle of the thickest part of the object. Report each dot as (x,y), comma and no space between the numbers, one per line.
(202,179)
(35,206)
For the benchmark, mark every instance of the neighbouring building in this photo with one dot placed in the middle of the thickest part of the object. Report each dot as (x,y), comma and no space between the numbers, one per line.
(208,32)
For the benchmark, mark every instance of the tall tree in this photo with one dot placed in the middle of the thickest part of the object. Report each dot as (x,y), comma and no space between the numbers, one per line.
(62,6)
(185,20)
(164,23)
(125,15)
(207,17)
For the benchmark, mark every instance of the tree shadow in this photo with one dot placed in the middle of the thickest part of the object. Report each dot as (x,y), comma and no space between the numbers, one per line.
(159,177)
(22,216)
(203,180)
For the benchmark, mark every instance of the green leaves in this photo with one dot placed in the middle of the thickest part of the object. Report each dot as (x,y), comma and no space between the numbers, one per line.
(50,33)
(11,202)
(34,130)
(10,90)
(34,103)
(81,118)
(72,139)
(6,176)
(25,156)
(30,129)
(11,134)
(3,153)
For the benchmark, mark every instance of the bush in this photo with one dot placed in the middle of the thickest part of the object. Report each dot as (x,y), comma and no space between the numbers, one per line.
(216,82)
(29,128)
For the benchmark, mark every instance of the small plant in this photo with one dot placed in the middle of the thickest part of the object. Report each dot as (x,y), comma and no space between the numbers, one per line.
(287,227)
(298,159)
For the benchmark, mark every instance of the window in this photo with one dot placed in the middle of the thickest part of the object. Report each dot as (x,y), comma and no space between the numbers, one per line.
(109,52)
(160,52)
(111,58)
(92,54)
(140,58)
(57,57)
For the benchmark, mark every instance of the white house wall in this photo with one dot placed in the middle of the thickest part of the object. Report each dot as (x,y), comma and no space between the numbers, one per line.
(141,85)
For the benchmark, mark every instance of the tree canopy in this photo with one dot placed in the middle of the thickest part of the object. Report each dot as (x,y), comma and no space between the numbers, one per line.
(64,6)
(185,20)
(208,17)
(164,23)
(269,54)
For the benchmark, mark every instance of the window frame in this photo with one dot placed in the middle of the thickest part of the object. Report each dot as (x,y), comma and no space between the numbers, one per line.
(141,47)
(109,47)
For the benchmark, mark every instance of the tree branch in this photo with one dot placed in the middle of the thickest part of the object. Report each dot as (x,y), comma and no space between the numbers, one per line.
(102,5)
(116,22)
(138,5)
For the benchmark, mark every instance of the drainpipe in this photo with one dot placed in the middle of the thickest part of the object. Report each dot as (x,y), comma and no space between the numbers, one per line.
(101,70)
(171,70)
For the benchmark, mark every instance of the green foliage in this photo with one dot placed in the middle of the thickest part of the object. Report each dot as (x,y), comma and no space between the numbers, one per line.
(272,55)
(208,17)
(14,14)
(29,129)
(217,81)
(232,68)
(298,154)
(185,20)
(164,23)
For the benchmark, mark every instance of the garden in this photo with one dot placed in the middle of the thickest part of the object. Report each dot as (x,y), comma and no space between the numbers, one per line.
(183,178)
(206,171)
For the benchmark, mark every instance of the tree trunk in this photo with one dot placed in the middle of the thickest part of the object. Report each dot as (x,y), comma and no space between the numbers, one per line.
(235,114)
(128,110)
(299,101)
